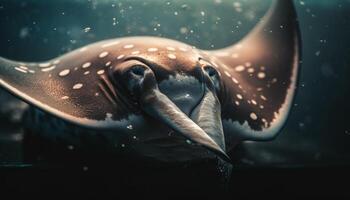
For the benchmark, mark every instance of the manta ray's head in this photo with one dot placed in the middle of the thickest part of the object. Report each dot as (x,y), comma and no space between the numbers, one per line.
(180,75)
(146,87)
(174,84)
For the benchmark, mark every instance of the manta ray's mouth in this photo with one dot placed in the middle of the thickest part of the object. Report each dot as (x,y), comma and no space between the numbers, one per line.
(202,125)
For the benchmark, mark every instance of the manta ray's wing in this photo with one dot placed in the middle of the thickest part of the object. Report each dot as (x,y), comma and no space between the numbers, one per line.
(260,75)
(73,87)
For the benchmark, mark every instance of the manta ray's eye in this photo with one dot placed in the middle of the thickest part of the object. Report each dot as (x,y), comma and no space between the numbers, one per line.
(134,76)
(137,71)
(213,75)
(210,71)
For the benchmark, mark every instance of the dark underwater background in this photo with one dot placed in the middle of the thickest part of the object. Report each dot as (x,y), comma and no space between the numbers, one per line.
(317,133)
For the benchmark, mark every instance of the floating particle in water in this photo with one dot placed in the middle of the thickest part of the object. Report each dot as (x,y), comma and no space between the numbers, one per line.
(114,21)
(87,29)
(202,13)
(85,168)
(183,30)
(70,147)
(122,145)
(129,127)
(176,13)
(184,6)
(24,32)
(188,142)
(317,53)
(237,6)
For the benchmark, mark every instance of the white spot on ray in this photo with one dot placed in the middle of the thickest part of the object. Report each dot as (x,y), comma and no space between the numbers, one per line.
(21,70)
(64,72)
(237,103)
(135,52)
(100,72)
(248,64)
(77,86)
(65,97)
(120,57)
(263,97)
(239,68)
(261,75)
(251,70)
(183,49)
(170,48)
(48,69)
(254,102)
(128,46)
(239,96)
(56,62)
(215,65)
(103,54)
(235,80)
(44,64)
(152,49)
(253,116)
(227,73)
(86,65)
(108,63)
(110,44)
(23,67)
(83,49)
(171,56)
(87,72)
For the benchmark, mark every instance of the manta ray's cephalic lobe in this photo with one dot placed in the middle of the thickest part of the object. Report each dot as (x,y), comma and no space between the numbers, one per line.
(213,98)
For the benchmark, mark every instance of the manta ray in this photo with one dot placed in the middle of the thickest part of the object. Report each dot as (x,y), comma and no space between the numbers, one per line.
(170,100)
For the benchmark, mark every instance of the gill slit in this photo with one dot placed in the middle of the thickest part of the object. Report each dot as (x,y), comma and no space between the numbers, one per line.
(108,90)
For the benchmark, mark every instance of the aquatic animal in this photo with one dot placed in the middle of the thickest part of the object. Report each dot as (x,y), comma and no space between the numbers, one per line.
(173,99)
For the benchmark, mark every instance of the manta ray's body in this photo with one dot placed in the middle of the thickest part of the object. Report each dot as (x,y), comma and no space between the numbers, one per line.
(146,93)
